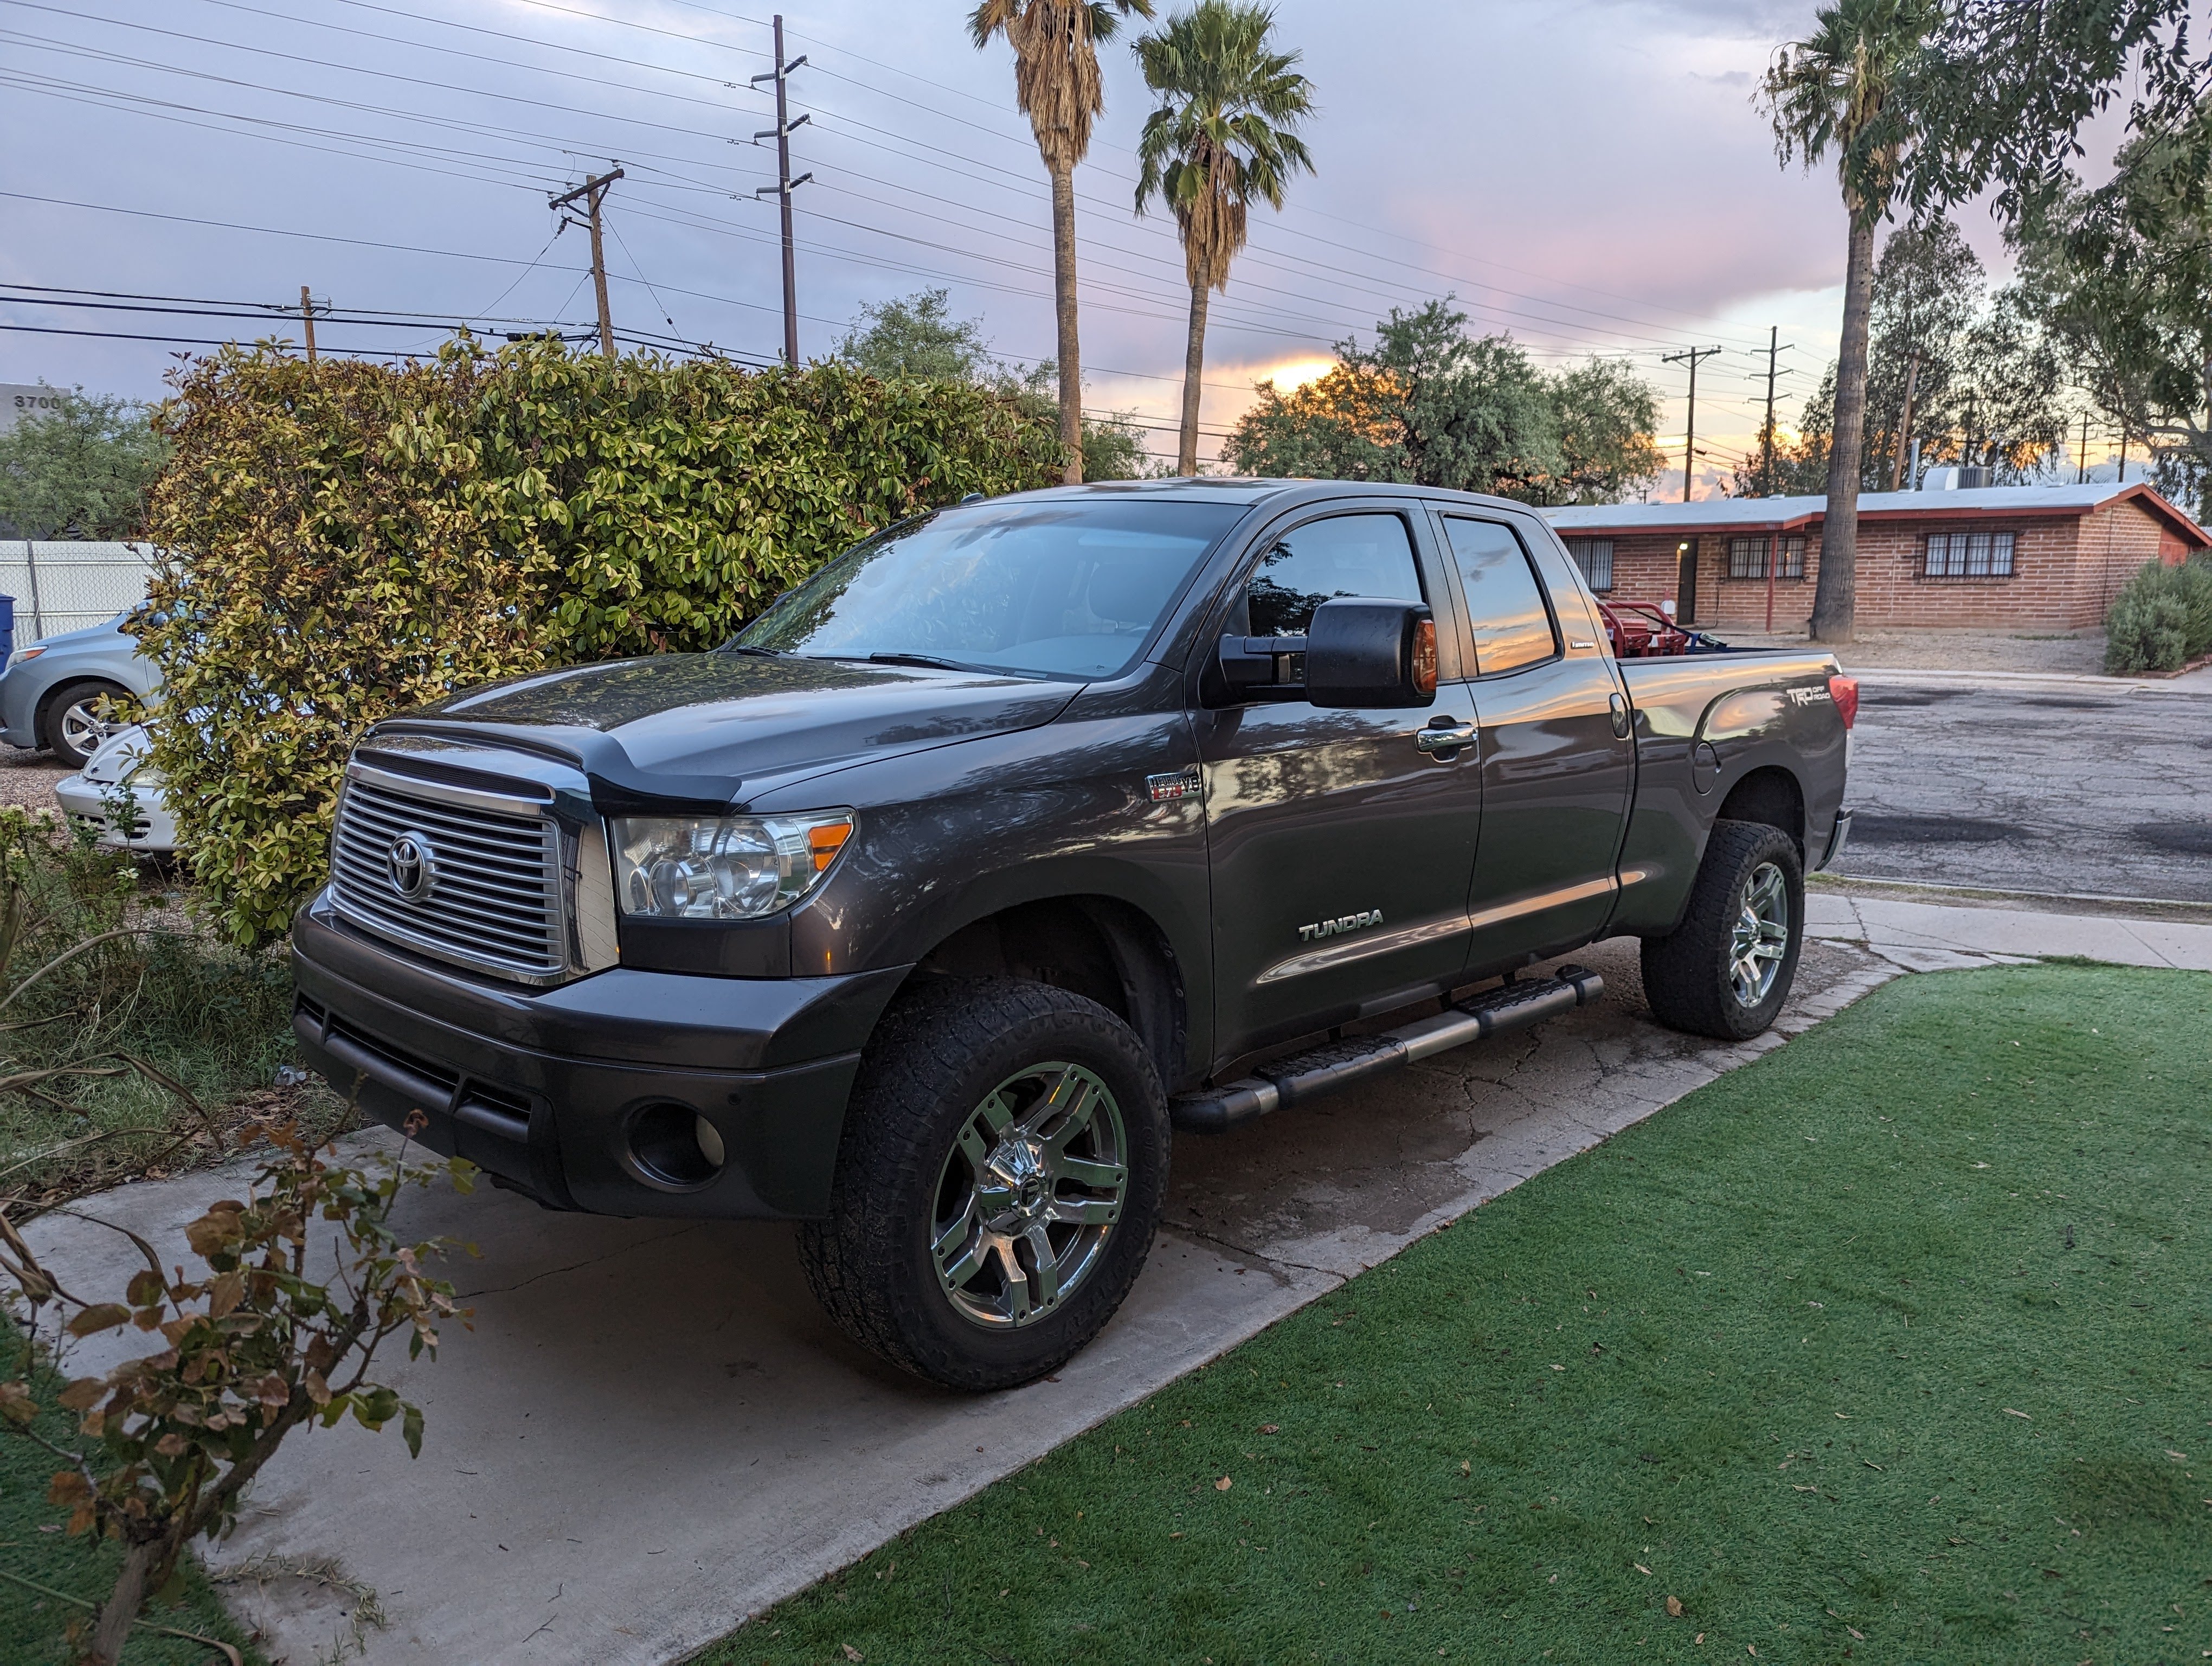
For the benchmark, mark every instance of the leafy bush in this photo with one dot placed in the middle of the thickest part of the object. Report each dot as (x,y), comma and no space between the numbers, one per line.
(346,540)
(2162,620)
(170,1439)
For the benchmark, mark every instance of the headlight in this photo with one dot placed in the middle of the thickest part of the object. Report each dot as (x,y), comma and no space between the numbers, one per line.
(725,867)
(22,654)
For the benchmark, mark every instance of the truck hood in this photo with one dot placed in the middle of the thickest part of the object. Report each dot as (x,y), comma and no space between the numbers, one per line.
(718,727)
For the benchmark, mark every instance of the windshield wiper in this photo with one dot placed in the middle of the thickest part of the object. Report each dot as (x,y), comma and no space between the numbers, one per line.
(938,664)
(758,653)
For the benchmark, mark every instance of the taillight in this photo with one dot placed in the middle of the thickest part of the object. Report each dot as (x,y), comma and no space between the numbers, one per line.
(1844,691)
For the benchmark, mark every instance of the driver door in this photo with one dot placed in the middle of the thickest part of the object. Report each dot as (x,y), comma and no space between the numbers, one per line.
(1341,848)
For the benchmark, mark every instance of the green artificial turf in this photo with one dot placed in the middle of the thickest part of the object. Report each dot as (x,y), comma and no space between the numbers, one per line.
(34,1626)
(1891,1347)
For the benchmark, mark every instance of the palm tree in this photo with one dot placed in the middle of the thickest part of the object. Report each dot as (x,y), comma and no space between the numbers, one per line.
(1840,91)
(1057,85)
(1222,136)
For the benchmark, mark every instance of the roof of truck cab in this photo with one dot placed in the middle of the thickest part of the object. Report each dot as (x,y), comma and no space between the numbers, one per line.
(1253,490)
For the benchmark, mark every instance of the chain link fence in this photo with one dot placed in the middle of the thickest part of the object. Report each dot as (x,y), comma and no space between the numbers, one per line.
(62,585)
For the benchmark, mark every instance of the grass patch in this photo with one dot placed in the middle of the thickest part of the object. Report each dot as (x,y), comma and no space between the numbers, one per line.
(34,1626)
(1890,1346)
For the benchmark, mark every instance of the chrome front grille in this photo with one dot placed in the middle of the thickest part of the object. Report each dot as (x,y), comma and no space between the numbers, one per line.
(490,891)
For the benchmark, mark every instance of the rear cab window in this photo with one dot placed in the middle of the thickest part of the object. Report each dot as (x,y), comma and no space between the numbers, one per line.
(1508,613)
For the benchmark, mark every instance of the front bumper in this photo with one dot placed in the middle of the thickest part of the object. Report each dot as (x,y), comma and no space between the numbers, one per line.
(540,1087)
(90,804)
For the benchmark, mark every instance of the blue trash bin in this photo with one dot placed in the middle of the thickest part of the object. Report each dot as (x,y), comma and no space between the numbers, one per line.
(7,627)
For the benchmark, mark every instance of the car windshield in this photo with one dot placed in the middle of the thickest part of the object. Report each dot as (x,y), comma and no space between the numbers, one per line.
(1051,589)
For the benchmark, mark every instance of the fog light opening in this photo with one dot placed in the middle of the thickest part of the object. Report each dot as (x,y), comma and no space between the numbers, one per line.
(675,1145)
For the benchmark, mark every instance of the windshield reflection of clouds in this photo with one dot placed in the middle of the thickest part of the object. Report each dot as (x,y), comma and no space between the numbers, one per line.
(1056,590)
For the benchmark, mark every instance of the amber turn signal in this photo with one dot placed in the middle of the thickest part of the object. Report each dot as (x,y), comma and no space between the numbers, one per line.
(1424,657)
(826,841)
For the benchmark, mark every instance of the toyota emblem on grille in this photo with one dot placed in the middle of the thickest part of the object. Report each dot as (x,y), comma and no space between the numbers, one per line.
(412,866)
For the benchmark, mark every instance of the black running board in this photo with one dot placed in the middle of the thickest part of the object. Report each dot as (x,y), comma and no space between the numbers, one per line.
(1304,1077)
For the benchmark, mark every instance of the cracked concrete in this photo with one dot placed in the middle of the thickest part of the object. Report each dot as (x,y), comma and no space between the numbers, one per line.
(653,1433)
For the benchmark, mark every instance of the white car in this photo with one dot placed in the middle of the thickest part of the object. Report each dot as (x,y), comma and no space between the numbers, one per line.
(120,770)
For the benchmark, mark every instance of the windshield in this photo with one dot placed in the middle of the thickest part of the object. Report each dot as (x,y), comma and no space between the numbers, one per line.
(1054,589)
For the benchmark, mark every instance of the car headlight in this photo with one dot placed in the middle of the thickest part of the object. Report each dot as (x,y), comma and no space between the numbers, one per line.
(22,654)
(723,867)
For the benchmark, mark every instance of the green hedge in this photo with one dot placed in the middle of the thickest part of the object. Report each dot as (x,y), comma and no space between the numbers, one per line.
(349,539)
(2162,620)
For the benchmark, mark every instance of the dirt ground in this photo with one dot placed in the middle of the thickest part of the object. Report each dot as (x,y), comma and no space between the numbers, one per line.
(28,778)
(2081,653)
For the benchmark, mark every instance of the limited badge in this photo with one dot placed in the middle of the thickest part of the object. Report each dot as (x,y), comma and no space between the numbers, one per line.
(1180,784)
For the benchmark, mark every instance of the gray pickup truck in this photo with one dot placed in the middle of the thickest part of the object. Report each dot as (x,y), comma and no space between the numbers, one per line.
(1024,832)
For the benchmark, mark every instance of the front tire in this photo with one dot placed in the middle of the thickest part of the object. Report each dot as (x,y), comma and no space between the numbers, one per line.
(72,725)
(999,1183)
(1726,970)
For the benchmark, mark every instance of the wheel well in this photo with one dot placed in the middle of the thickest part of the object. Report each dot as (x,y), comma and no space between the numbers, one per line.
(1095,946)
(1771,796)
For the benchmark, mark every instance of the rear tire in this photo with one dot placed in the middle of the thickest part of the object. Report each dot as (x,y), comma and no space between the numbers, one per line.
(1726,970)
(1000,1181)
(69,724)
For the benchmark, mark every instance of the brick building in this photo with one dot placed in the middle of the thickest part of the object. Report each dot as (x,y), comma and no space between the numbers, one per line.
(2007,557)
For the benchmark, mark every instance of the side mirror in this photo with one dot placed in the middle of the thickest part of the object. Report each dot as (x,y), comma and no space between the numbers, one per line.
(1364,654)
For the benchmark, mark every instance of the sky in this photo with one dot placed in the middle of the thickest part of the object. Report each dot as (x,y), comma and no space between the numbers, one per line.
(1591,178)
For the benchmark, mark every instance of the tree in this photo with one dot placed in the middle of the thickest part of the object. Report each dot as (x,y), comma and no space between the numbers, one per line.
(1427,404)
(916,336)
(83,471)
(1833,93)
(2121,277)
(1983,378)
(1057,86)
(1608,418)
(1223,136)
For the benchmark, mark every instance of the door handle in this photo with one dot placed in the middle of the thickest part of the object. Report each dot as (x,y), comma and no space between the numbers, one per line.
(1620,717)
(1444,736)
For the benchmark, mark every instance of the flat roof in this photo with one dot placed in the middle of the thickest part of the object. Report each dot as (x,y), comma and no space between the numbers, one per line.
(1766,514)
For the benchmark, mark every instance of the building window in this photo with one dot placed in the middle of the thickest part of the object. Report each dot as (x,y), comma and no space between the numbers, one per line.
(1747,558)
(1969,556)
(1595,556)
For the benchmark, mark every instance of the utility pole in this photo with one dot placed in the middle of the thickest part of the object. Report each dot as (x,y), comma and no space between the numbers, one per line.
(592,192)
(784,185)
(307,313)
(1766,433)
(1691,355)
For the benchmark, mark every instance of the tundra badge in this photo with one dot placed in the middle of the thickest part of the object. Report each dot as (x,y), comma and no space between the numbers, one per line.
(1342,923)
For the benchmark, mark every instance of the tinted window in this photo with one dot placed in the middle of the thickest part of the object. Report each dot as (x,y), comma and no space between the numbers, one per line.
(1057,589)
(1366,554)
(1512,627)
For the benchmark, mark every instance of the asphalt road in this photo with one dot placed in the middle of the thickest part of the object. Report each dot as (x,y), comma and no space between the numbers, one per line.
(2043,789)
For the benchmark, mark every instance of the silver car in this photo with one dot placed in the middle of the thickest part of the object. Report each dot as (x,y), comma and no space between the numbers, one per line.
(51,691)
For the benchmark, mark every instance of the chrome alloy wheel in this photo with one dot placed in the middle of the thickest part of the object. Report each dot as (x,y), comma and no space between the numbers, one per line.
(82,729)
(1761,935)
(1034,1181)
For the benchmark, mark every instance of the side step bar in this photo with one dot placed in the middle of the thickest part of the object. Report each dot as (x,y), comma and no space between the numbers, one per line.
(1304,1077)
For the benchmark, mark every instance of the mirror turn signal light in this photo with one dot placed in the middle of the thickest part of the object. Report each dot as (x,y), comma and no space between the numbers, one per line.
(1424,657)
(1844,691)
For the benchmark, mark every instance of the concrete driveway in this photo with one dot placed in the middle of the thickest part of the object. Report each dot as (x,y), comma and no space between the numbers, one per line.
(653,1433)
(2065,787)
